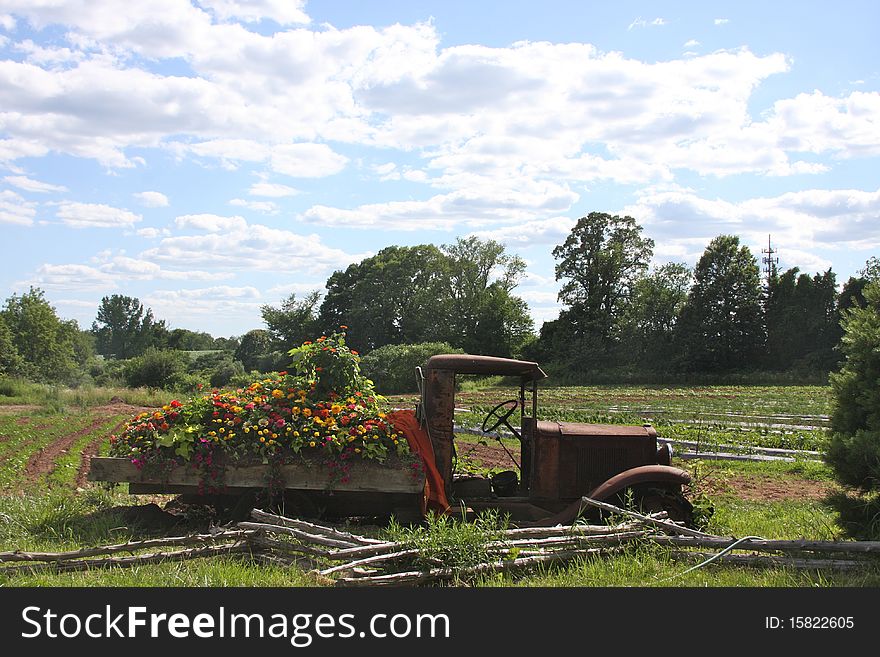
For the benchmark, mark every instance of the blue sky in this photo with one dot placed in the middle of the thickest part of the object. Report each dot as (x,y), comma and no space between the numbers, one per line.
(213,156)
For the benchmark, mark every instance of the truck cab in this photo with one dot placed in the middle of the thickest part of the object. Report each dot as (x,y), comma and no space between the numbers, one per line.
(559,462)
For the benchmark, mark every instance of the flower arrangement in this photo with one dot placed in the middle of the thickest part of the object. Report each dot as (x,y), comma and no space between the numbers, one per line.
(322,406)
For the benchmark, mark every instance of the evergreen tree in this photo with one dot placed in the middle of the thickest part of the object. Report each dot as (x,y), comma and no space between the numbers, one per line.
(721,324)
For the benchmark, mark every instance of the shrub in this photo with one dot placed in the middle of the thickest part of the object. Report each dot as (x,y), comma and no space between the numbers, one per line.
(155,368)
(854,444)
(393,366)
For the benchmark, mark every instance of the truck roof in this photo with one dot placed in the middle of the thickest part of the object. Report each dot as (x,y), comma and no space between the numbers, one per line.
(471,364)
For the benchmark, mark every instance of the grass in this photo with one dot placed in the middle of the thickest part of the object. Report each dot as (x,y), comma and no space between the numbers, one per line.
(53,515)
(54,398)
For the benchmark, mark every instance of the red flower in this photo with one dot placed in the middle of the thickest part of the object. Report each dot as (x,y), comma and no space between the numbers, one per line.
(175,404)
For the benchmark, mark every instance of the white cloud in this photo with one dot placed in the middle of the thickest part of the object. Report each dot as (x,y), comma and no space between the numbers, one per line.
(306,160)
(31,185)
(211,223)
(641,22)
(150,233)
(152,199)
(232,244)
(681,222)
(691,43)
(7,22)
(284,12)
(721,21)
(481,203)
(15,210)
(272,190)
(266,207)
(95,215)
(69,277)
(544,231)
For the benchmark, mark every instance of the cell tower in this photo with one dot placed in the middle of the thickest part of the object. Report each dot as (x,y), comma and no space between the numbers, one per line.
(769,261)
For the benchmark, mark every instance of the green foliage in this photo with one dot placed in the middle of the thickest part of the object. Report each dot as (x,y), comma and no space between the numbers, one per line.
(123,328)
(393,366)
(186,340)
(802,321)
(599,264)
(446,541)
(294,322)
(255,351)
(651,315)
(461,294)
(721,324)
(44,347)
(854,449)
(10,361)
(156,368)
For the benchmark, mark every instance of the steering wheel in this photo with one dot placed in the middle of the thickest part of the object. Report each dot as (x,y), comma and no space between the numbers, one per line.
(499,415)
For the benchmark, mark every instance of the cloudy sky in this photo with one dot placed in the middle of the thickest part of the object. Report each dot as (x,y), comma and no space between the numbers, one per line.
(212,156)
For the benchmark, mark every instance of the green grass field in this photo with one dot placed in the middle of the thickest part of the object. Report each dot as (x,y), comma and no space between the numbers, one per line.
(47,505)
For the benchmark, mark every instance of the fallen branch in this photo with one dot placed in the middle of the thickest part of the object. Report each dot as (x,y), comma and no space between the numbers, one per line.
(127,562)
(312,528)
(768,545)
(297,533)
(435,574)
(667,525)
(131,546)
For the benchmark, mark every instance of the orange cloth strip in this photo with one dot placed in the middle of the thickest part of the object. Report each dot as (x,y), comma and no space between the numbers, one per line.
(420,443)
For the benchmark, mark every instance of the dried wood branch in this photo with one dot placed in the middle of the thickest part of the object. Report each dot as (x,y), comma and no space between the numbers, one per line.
(297,533)
(767,545)
(136,560)
(312,528)
(131,546)
(667,525)
(373,560)
(434,574)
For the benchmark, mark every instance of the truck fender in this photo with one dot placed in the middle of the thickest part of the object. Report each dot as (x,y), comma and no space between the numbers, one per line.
(644,474)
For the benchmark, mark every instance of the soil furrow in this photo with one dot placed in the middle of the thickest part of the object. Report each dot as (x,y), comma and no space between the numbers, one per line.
(42,462)
(91,450)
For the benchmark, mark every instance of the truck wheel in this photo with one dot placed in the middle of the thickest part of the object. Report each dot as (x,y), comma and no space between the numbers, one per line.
(676,505)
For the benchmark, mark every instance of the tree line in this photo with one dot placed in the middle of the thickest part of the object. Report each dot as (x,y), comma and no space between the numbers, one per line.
(619,316)
(718,318)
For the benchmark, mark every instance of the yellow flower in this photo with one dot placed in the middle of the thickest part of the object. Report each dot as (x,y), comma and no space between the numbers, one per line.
(277,393)
(336,409)
(307,412)
(311,443)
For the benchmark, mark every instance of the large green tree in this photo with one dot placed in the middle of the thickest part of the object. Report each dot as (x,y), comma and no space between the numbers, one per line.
(598,265)
(294,321)
(389,298)
(721,324)
(10,361)
(854,446)
(802,320)
(256,351)
(650,318)
(44,343)
(482,314)
(461,294)
(124,328)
